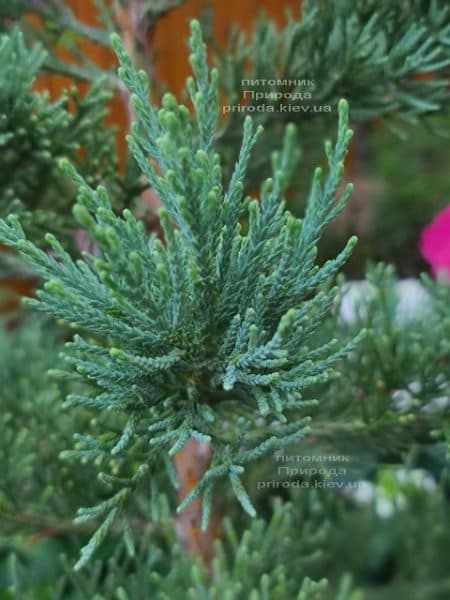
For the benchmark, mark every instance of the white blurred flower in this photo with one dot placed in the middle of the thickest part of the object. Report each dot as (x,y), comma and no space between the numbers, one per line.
(354,297)
(412,299)
(389,494)
(402,399)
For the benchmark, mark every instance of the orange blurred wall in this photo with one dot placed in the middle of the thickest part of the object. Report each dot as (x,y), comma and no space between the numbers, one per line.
(169,42)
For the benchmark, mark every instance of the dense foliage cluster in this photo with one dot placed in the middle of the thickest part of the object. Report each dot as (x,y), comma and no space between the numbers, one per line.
(224,327)
(198,336)
(35,133)
(390,60)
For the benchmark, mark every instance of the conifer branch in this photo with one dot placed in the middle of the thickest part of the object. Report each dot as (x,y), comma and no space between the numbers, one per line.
(209,335)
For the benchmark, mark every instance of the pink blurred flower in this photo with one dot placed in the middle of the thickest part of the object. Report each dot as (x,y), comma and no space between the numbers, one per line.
(435,243)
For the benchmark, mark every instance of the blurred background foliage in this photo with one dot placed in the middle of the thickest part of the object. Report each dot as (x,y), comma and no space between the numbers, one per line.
(384,533)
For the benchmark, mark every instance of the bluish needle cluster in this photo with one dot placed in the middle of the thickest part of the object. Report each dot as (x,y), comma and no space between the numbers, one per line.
(208,333)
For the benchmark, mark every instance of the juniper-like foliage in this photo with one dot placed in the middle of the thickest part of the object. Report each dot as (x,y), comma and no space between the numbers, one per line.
(207,334)
(56,25)
(373,53)
(389,59)
(390,403)
(243,567)
(35,485)
(35,133)
(400,374)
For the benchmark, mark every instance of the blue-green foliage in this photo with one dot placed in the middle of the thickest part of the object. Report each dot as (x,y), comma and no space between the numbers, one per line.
(402,366)
(369,50)
(29,416)
(36,133)
(393,388)
(269,560)
(38,492)
(209,333)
